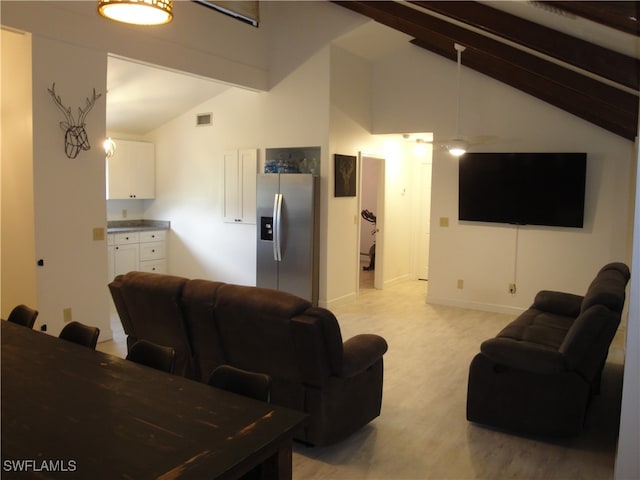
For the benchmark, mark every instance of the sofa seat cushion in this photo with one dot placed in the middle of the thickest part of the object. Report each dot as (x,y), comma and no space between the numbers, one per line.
(539,327)
(531,342)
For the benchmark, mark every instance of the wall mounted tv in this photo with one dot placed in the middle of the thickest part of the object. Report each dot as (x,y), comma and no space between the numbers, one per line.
(523,188)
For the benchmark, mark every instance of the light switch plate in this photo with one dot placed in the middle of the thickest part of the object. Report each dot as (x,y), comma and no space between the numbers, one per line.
(98,233)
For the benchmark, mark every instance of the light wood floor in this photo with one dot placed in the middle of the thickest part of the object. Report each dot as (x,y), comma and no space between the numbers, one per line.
(422,432)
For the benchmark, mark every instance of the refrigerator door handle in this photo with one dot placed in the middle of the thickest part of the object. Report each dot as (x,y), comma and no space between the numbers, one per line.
(277,227)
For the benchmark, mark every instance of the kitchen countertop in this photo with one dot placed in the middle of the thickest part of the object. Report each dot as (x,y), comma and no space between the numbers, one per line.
(123,226)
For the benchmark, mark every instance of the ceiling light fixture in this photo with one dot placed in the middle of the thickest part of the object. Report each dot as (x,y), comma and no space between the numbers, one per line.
(458,147)
(137,12)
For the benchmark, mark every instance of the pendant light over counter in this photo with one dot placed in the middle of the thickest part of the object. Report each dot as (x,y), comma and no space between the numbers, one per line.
(137,12)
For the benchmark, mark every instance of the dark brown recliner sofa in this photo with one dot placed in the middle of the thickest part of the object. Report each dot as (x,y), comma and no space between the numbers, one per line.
(538,374)
(211,323)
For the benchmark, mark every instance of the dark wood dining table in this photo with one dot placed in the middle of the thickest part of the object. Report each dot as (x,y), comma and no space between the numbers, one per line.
(71,412)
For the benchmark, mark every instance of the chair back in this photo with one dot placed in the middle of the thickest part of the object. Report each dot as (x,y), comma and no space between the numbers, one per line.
(23,315)
(153,355)
(81,334)
(250,384)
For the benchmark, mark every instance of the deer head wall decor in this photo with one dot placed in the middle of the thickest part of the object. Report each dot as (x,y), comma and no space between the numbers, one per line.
(75,137)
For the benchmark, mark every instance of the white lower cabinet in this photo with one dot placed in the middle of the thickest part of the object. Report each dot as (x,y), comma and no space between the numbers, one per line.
(143,251)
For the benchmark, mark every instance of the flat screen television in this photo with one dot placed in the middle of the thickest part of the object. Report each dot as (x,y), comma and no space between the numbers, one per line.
(523,188)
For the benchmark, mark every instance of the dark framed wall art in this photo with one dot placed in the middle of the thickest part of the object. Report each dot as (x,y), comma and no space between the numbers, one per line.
(345,175)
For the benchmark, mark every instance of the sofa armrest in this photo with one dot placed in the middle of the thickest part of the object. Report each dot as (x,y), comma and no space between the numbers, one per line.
(523,355)
(558,302)
(360,352)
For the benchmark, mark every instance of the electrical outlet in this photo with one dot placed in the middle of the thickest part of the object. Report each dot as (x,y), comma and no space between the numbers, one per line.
(124,213)
(444,222)
(67,315)
(460,284)
(512,288)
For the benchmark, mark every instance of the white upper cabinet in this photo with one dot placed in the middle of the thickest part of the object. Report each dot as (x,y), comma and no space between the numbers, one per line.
(131,170)
(240,168)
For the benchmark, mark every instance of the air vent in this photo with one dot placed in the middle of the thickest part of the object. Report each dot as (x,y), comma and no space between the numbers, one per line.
(203,119)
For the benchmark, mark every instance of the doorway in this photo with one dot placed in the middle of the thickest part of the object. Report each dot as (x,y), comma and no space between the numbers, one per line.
(371,246)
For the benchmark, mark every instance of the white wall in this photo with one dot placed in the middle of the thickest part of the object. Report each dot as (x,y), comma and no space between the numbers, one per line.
(18,279)
(488,256)
(69,195)
(189,168)
(350,127)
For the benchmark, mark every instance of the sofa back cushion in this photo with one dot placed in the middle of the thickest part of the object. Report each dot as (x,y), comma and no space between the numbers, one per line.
(153,307)
(608,288)
(254,325)
(586,344)
(198,306)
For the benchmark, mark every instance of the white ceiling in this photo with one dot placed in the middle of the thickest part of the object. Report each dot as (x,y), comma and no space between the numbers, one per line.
(143,97)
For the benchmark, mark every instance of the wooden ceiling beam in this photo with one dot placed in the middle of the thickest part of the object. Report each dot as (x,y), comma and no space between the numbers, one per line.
(598,103)
(622,16)
(593,58)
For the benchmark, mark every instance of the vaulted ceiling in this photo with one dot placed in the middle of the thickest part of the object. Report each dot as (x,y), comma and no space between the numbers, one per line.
(591,81)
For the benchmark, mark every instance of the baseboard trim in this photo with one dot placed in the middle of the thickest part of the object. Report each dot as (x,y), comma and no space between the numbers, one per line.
(485,307)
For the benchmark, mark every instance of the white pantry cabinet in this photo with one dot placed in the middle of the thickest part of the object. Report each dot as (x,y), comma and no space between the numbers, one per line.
(131,170)
(240,168)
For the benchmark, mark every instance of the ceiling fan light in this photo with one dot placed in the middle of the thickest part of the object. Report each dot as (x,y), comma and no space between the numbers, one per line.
(457,148)
(137,12)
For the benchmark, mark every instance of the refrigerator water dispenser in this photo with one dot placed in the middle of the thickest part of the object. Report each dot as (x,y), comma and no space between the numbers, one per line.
(266,228)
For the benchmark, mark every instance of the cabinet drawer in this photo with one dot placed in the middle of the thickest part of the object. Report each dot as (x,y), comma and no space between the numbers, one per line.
(152,251)
(125,238)
(154,266)
(153,236)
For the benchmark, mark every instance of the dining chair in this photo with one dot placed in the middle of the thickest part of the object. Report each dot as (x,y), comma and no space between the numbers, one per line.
(250,384)
(23,315)
(81,334)
(153,355)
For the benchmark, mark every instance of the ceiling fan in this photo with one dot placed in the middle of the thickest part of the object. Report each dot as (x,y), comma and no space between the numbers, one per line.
(459,145)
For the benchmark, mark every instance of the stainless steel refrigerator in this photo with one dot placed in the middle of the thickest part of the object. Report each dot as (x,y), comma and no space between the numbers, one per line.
(287,244)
